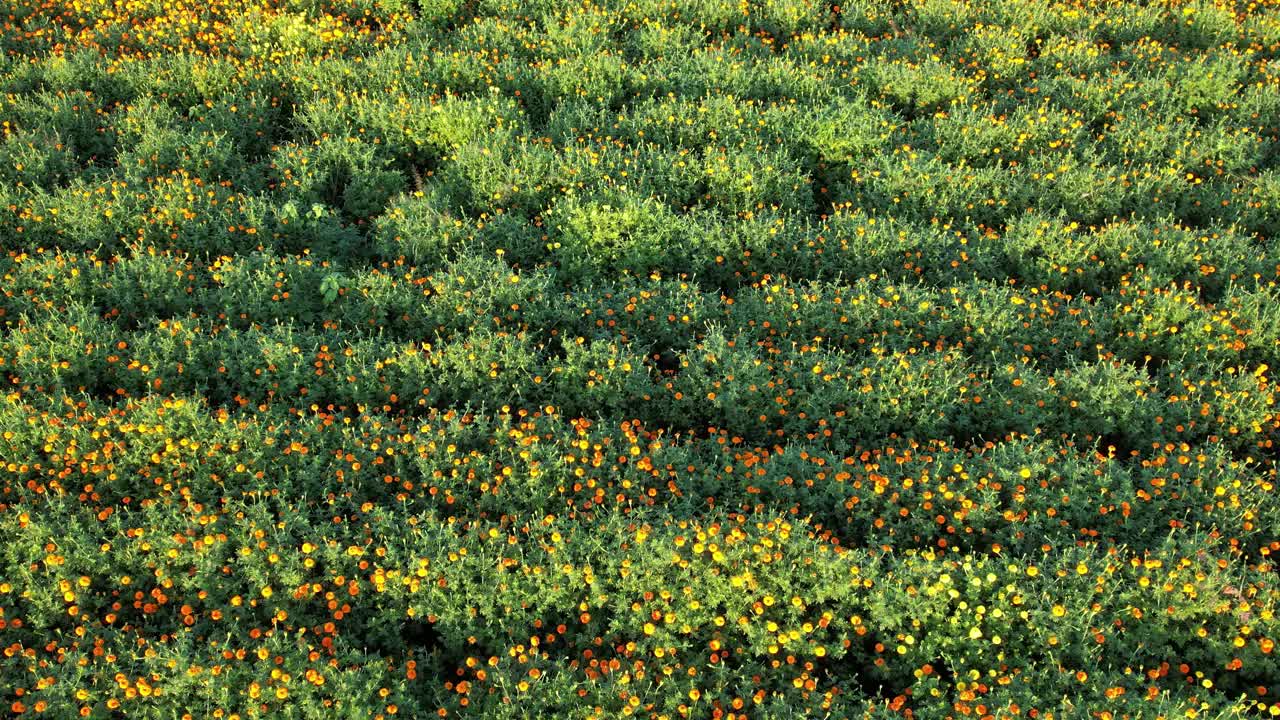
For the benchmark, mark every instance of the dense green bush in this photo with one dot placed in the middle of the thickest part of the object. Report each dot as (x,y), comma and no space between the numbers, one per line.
(669,358)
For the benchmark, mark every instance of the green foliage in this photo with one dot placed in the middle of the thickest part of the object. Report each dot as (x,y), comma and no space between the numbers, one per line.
(667,358)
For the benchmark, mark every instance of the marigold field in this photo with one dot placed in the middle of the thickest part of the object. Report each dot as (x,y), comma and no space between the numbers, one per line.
(586,359)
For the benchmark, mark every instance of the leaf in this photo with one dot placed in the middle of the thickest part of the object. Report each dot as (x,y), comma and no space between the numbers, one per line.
(331,288)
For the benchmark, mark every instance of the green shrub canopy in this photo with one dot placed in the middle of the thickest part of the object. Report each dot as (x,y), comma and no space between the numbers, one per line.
(659,358)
